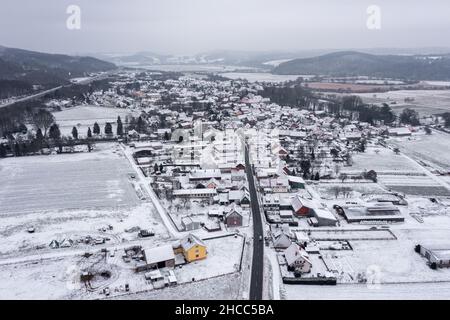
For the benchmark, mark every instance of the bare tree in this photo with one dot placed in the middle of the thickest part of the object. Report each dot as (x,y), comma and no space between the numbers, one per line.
(43,119)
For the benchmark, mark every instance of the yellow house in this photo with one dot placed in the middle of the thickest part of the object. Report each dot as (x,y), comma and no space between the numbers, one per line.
(193,248)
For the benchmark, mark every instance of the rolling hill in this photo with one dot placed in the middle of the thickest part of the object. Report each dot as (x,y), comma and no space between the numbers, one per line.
(352,63)
(21,69)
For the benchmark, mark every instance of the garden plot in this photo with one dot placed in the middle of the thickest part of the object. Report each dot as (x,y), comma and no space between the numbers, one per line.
(66,181)
(84,117)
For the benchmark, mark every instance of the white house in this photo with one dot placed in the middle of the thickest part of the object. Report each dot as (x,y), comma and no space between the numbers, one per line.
(297,259)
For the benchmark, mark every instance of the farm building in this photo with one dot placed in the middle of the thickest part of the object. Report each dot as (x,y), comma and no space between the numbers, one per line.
(437,255)
(399,132)
(157,257)
(301,206)
(380,212)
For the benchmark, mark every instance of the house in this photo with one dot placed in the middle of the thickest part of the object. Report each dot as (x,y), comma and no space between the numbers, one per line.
(189,224)
(438,256)
(234,218)
(237,175)
(296,182)
(239,197)
(297,259)
(281,240)
(193,248)
(157,257)
(301,206)
(271,202)
(223,199)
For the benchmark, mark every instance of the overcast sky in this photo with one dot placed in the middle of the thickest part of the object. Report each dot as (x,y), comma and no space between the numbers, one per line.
(192,26)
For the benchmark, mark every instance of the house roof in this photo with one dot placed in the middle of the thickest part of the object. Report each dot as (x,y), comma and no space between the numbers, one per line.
(191,241)
(293,253)
(158,254)
(298,202)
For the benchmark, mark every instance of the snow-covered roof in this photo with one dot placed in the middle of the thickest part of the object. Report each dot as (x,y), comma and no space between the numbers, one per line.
(294,253)
(190,241)
(158,254)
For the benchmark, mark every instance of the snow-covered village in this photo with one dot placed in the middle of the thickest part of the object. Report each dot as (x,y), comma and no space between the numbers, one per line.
(244,174)
(172,184)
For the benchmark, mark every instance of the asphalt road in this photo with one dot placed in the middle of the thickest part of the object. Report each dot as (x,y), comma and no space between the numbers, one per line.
(257,274)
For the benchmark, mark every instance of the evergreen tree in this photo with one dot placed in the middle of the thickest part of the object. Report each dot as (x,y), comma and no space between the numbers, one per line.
(317,176)
(75,133)
(155,167)
(39,135)
(108,128)
(17,152)
(2,151)
(54,132)
(161,167)
(89,133)
(119,126)
(140,125)
(96,128)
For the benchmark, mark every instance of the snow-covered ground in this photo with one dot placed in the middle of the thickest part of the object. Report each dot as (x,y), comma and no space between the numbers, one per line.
(425,101)
(67,181)
(433,149)
(84,117)
(259,76)
(405,291)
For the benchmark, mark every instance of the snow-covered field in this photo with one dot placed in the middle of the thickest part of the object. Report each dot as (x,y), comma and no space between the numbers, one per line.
(383,161)
(70,196)
(405,291)
(259,76)
(400,173)
(434,148)
(425,101)
(68,181)
(84,117)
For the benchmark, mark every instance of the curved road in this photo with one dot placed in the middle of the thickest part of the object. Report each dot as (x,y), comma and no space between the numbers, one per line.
(257,274)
